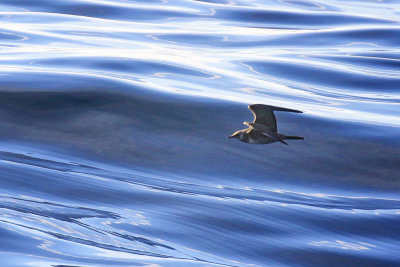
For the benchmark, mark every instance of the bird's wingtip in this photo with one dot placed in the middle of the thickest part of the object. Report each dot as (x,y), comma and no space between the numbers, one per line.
(254,105)
(274,108)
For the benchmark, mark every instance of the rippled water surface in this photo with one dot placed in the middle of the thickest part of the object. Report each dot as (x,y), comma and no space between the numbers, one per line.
(113,124)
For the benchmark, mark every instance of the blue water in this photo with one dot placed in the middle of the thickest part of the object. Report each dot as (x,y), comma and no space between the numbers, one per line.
(113,124)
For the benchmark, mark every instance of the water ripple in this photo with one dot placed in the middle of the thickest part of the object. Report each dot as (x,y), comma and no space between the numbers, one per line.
(113,125)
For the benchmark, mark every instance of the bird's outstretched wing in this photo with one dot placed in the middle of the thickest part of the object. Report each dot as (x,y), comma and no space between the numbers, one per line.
(264,114)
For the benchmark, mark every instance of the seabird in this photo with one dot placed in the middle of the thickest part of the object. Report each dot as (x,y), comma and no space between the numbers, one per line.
(263,130)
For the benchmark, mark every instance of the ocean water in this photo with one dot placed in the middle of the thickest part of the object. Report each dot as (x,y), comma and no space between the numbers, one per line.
(113,124)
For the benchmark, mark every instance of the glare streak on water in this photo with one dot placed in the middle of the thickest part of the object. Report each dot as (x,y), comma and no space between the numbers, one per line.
(113,125)
(172,45)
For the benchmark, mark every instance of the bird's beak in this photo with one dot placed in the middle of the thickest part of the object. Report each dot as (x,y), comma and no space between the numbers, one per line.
(229,137)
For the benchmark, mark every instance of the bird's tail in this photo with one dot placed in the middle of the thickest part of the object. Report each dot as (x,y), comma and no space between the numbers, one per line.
(293,137)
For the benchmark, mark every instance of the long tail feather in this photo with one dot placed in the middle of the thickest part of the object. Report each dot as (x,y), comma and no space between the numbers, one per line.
(294,137)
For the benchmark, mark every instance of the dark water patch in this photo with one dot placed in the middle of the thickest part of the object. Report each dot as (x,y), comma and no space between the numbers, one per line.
(11,36)
(48,81)
(120,65)
(106,10)
(326,76)
(75,233)
(267,230)
(358,37)
(311,5)
(374,38)
(305,257)
(294,19)
(147,129)
(390,65)
(267,225)
(159,184)
(57,211)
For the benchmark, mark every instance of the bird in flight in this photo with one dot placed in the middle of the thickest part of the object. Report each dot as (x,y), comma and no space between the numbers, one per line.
(263,130)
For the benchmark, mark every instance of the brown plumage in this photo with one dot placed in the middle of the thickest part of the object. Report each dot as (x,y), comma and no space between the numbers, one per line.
(263,129)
